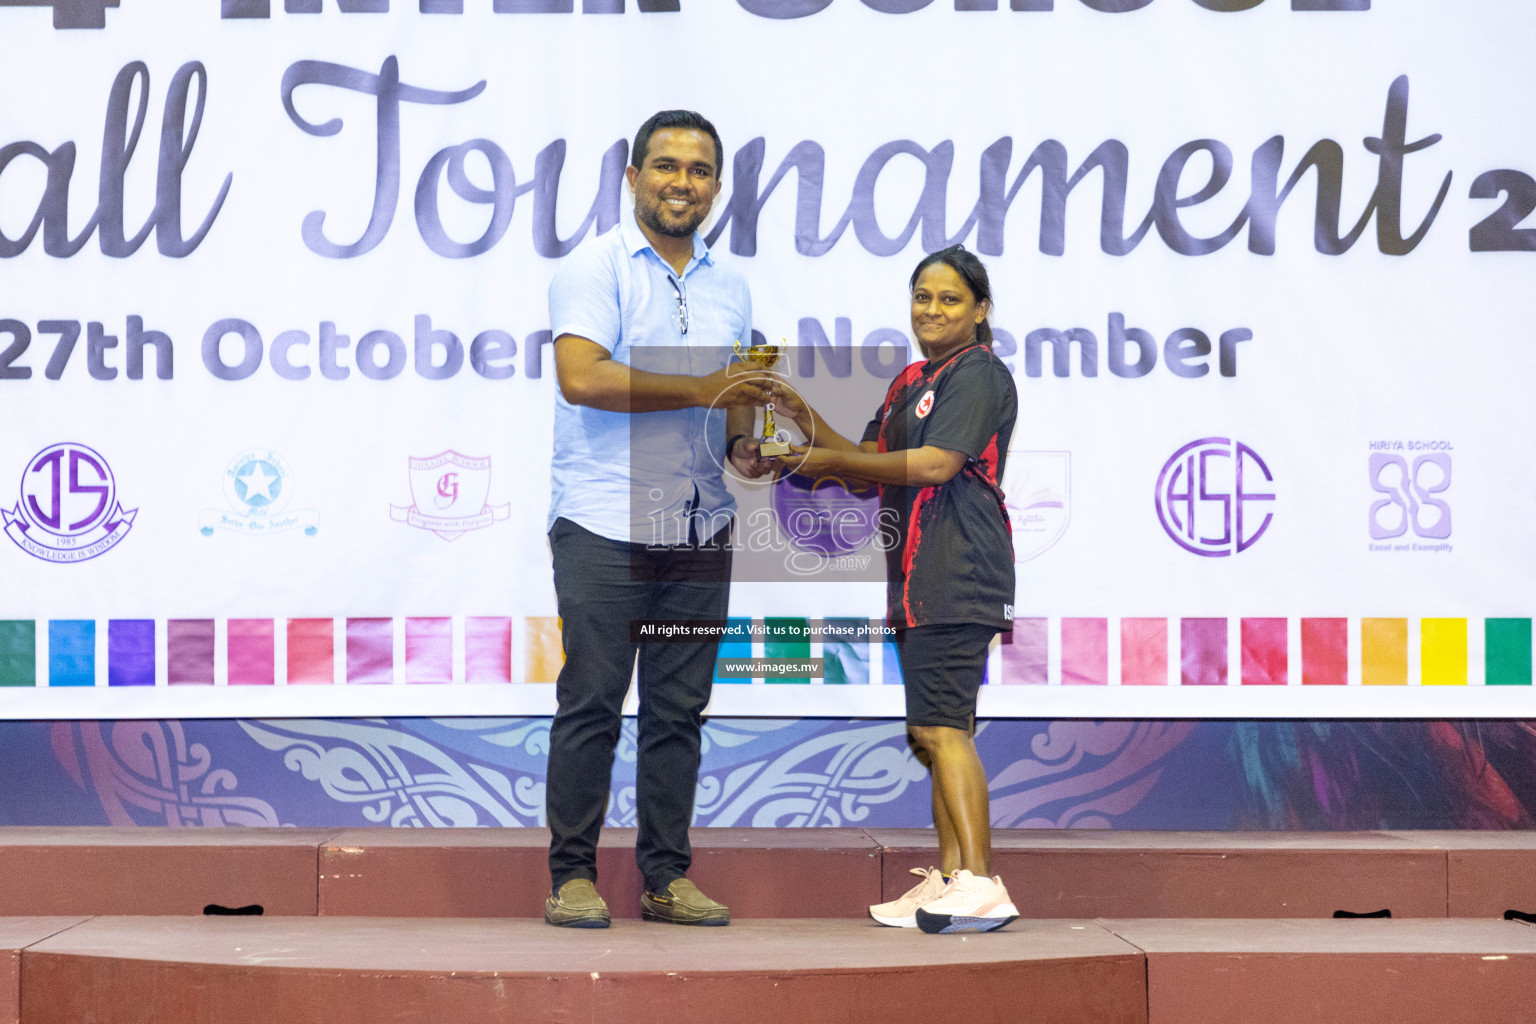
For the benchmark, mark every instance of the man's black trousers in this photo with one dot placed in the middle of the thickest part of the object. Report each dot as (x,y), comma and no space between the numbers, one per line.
(601,585)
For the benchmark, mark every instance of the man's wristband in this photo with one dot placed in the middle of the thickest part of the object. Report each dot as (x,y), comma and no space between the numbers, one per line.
(730,446)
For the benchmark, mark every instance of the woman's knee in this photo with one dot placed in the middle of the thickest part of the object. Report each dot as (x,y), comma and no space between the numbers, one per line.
(932,738)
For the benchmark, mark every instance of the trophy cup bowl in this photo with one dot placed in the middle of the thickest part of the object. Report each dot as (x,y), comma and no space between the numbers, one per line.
(764,355)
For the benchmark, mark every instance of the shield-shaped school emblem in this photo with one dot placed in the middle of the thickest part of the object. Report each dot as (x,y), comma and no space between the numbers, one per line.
(448,493)
(1037,488)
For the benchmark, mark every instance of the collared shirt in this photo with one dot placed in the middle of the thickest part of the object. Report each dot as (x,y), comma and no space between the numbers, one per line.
(638,477)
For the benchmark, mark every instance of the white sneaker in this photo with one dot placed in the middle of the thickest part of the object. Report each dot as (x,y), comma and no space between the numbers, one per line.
(901,912)
(972,903)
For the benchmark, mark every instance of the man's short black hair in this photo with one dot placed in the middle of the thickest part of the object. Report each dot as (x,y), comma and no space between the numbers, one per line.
(687,119)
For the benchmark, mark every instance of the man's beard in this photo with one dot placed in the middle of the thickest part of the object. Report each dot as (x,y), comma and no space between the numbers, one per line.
(650,216)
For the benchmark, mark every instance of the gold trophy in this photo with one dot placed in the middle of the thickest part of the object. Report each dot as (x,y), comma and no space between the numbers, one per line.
(774,442)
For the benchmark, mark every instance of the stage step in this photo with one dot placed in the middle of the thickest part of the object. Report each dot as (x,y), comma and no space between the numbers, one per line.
(1335,972)
(90,870)
(367,970)
(1487,873)
(505,872)
(16,934)
(334,970)
(494,873)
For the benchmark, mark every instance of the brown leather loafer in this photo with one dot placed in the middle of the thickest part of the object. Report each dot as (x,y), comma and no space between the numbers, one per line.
(577,905)
(683,903)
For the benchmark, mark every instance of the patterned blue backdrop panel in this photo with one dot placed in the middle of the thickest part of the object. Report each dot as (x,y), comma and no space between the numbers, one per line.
(433,773)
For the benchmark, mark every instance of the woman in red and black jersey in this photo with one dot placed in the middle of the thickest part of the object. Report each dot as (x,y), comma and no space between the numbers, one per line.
(937,447)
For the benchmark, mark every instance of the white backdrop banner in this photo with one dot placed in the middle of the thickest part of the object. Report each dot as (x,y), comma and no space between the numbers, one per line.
(276,386)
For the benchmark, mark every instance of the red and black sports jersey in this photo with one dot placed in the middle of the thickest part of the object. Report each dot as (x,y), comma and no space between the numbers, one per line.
(954,562)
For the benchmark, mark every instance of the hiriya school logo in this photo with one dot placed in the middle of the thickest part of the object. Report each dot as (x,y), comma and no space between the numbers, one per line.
(1214,497)
(1413,484)
(925,405)
(1037,489)
(449,492)
(69,510)
(258,487)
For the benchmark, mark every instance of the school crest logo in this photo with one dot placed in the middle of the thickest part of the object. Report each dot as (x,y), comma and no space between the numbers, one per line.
(449,495)
(258,487)
(68,510)
(1037,489)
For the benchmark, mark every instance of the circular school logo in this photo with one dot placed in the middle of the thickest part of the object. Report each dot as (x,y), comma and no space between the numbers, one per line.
(1215,497)
(68,510)
(925,405)
(257,487)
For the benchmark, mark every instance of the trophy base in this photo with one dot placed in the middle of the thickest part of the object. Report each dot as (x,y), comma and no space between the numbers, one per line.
(773,449)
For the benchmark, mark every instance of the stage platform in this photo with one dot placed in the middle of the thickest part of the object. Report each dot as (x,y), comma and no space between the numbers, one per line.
(172,970)
(497,873)
(131,926)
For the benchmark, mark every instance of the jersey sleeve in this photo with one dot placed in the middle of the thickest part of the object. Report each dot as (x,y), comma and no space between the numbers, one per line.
(872,429)
(584,298)
(972,403)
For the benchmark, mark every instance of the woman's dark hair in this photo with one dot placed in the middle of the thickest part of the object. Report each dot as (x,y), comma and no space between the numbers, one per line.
(971,271)
(685,119)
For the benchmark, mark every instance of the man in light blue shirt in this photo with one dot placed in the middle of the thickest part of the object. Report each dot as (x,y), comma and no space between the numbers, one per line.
(650,411)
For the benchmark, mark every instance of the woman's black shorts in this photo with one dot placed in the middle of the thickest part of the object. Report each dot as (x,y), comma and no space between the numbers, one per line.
(942,667)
